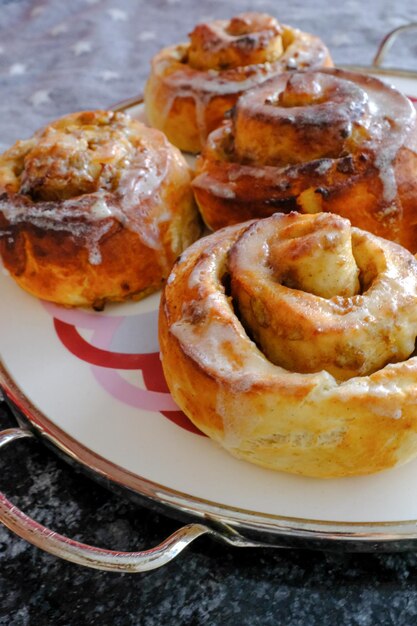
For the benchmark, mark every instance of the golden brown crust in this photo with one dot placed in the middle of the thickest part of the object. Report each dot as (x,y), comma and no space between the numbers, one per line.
(94,208)
(290,341)
(191,86)
(324,140)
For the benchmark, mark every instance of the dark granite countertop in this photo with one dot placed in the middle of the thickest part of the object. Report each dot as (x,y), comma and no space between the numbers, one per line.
(59,57)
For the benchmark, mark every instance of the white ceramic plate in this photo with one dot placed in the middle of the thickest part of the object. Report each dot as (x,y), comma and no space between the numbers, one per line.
(92,382)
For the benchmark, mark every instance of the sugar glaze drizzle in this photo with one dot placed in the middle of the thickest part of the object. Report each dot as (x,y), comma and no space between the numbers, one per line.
(134,203)
(211,333)
(202,87)
(385,124)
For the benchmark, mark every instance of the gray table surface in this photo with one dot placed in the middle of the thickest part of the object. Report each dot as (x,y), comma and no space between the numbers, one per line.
(59,57)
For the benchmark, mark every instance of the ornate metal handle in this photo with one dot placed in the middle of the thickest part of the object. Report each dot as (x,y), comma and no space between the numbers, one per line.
(387,42)
(98,558)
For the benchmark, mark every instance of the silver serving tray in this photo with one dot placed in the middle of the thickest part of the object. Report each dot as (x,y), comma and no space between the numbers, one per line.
(289,511)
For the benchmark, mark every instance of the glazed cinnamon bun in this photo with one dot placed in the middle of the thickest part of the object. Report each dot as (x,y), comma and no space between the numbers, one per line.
(323,140)
(290,341)
(191,86)
(94,208)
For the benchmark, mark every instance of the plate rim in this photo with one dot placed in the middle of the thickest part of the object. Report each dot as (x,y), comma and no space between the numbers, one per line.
(382,71)
(265,527)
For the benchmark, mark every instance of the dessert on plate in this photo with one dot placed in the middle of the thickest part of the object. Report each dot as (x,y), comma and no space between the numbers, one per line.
(290,341)
(94,208)
(192,85)
(313,141)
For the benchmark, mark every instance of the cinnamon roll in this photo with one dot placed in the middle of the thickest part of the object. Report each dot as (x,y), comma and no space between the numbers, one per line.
(290,341)
(192,85)
(322,140)
(93,208)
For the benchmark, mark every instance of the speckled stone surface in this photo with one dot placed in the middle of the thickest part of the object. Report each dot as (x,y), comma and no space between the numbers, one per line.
(58,57)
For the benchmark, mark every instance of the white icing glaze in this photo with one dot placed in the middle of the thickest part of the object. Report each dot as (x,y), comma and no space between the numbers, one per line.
(323,166)
(210,332)
(394,116)
(138,193)
(135,203)
(221,191)
(202,86)
(100,209)
(209,345)
(380,119)
(211,339)
(69,218)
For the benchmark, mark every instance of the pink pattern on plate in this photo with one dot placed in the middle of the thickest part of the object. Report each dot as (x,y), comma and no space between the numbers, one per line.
(104,361)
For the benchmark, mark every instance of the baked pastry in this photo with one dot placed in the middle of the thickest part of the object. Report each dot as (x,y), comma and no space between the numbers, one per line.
(290,341)
(94,208)
(192,85)
(323,140)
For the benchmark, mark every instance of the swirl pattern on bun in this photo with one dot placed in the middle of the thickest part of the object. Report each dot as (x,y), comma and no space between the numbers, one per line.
(94,208)
(323,140)
(191,86)
(290,341)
